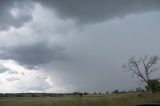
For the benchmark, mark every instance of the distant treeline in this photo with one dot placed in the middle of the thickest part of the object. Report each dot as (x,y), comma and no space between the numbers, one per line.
(67,94)
(41,94)
(34,94)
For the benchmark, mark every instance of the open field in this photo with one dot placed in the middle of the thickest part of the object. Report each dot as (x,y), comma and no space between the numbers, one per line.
(88,100)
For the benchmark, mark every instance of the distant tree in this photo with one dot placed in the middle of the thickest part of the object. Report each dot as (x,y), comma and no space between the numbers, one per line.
(95,93)
(143,67)
(107,92)
(78,93)
(33,95)
(115,91)
(85,93)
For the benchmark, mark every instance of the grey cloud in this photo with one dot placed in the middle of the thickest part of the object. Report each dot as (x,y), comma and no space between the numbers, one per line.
(36,54)
(7,19)
(99,51)
(12,72)
(92,11)
(12,79)
(3,69)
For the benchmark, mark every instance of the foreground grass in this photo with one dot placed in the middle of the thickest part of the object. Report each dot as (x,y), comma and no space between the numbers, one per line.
(90,100)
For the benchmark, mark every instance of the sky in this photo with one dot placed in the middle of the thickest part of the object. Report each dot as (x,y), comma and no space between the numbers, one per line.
(74,45)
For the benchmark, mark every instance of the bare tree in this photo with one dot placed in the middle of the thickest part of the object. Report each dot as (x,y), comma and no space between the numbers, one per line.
(143,67)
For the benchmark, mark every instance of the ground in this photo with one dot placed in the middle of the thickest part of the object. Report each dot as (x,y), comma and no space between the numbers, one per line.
(87,100)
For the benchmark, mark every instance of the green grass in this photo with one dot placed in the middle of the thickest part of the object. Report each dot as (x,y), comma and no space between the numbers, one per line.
(89,100)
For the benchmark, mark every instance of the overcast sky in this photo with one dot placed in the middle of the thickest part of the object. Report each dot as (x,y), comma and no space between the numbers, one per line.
(74,45)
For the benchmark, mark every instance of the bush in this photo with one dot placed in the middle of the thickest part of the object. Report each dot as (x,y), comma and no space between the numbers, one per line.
(140,95)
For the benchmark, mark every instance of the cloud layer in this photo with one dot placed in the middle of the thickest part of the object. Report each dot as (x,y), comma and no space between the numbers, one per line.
(93,11)
(83,43)
(34,54)
(14,13)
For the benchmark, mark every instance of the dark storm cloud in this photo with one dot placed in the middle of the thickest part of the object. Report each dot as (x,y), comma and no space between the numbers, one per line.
(83,11)
(35,54)
(6,17)
(91,11)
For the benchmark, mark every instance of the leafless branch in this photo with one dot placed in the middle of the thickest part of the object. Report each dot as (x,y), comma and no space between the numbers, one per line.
(143,66)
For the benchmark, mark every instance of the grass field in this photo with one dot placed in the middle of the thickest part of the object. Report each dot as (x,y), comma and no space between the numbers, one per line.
(88,100)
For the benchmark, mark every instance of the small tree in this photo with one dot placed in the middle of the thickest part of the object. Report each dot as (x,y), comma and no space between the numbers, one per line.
(154,85)
(143,67)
